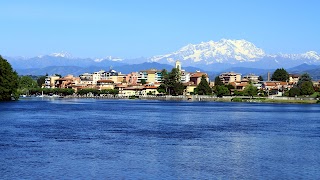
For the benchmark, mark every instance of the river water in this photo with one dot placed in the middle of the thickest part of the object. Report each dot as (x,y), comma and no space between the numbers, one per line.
(133,139)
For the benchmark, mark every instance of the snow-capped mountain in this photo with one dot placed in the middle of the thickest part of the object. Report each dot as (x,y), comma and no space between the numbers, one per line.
(109,58)
(62,54)
(310,55)
(211,52)
(233,52)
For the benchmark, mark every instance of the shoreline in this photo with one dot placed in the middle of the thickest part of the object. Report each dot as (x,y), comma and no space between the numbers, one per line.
(201,98)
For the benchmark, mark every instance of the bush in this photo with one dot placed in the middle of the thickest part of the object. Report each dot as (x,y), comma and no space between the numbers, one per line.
(236,99)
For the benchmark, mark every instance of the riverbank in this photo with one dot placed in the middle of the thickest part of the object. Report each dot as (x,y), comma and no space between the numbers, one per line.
(196,98)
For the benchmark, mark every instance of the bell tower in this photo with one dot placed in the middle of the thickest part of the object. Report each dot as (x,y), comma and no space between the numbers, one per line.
(178,65)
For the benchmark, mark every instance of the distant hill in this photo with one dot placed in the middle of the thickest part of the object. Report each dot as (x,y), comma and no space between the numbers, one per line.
(76,70)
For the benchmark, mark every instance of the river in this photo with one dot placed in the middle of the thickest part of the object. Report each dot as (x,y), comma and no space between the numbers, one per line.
(140,139)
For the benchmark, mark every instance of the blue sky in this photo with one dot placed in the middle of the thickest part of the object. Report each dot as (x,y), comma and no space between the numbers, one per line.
(136,28)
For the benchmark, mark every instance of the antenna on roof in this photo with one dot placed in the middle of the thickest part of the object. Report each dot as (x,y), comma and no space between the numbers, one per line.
(110,68)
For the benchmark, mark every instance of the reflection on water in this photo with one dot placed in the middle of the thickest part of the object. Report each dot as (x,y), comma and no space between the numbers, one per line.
(107,139)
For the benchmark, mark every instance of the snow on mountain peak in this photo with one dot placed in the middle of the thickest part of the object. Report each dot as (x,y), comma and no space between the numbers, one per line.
(220,51)
(61,54)
(311,55)
(110,58)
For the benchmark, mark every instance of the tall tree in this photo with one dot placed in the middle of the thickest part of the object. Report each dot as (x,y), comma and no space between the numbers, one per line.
(250,90)
(203,87)
(222,91)
(260,78)
(307,88)
(305,84)
(280,75)
(41,80)
(304,78)
(217,81)
(175,87)
(25,84)
(8,81)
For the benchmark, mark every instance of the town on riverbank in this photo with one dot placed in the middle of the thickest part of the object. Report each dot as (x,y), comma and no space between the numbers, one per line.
(280,86)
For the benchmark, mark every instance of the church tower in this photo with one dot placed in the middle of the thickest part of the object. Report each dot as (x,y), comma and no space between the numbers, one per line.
(178,65)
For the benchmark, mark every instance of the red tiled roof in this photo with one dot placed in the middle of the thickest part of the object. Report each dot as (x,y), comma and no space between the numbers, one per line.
(283,83)
(105,81)
(198,74)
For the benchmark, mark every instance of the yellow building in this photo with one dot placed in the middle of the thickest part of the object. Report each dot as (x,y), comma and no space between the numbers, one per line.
(150,76)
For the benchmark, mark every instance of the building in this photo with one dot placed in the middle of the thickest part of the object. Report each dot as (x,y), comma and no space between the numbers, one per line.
(50,81)
(178,65)
(132,78)
(252,77)
(150,76)
(229,77)
(294,78)
(105,84)
(189,87)
(185,76)
(196,77)
(86,79)
(67,82)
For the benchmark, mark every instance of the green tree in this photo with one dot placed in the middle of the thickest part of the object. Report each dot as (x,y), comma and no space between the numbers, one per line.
(238,93)
(143,81)
(304,78)
(307,88)
(203,87)
(305,84)
(217,81)
(8,81)
(280,75)
(162,89)
(295,91)
(41,80)
(250,90)
(260,78)
(222,91)
(172,82)
(25,84)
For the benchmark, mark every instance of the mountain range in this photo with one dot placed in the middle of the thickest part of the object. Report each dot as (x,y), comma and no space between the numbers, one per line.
(213,57)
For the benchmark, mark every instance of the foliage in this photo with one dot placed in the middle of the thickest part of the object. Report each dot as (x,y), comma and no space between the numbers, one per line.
(217,81)
(203,87)
(238,93)
(41,80)
(88,90)
(295,91)
(230,86)
(171,82)
(222,91)
(49,91)
(25,84)
(8,81)
(109,91)
(307,88)
(280,75)
(161,89)
(260,78)
(143,81)
(250,90)
(236,99)
(304,78)
(262,93)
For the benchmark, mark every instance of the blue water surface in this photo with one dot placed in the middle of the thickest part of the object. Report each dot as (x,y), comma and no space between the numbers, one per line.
(133,139)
